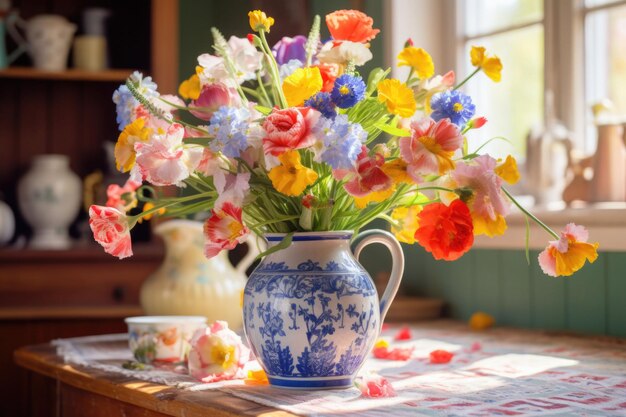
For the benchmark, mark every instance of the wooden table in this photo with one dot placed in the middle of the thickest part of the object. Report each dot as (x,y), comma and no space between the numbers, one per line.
(79,392)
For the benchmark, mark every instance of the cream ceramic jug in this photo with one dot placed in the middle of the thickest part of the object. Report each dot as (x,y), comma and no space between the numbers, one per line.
(48,40)
(187,283)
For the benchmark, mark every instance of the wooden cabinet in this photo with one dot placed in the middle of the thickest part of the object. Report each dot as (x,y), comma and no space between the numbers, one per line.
(43,294)
(46,295)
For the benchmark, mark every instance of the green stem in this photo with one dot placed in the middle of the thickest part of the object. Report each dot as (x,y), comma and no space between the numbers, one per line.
(389,220)
(532,216)
(467,78)
(262,87)
(132,220)
(274,69)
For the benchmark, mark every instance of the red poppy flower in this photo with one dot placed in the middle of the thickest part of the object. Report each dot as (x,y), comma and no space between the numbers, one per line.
(351,25)
(404,334)
(440,356)
(446,231)
(393,354)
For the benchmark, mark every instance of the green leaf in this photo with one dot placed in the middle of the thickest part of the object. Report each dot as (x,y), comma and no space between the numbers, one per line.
(282,245)
(262,109)
(393,131)
(376,76)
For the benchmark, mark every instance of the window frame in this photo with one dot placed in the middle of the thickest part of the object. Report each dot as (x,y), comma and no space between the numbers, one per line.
(564,56)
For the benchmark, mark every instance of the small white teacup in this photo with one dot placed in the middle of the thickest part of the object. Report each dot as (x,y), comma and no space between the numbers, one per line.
(162,339)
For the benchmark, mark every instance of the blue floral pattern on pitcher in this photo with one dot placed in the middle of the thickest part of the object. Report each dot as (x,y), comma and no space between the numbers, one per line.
(311,311)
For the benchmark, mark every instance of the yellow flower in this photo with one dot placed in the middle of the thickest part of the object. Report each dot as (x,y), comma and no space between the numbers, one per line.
(487,226)
(397,96)
(381,343)
(574,258)
(491,65)
(407,217)
(190,88)
(396,170)
(508,170)
(481,321)
(150,206)
(256,377)
(259,21)
(376,197)
(302,84)
(125,147)
(291,177)
(223,354)
(419,60)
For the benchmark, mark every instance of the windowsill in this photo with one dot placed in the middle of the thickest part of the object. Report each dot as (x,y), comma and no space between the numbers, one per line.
(606,223)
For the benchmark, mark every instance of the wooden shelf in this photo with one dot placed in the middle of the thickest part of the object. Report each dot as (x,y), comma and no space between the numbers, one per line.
(108,75)
(90,252)
(69,313)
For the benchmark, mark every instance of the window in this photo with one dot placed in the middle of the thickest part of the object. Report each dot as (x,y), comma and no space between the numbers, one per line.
(512,29)
(574,48)
(605,58)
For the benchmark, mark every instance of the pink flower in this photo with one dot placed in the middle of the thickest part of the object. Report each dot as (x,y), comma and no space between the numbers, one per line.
(375,386)
(111,230)
(212,97)
(231,187)
(487,201)
(477,122)
(367,177)
(289,129)
(430,147)
(211,164)
(163,160)
(567,255)
(224,229)
(122,198)
(157,123)
(217,353)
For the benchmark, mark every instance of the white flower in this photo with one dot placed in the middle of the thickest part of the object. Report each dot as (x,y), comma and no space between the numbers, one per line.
(214,70)
(345,52)
(246,58)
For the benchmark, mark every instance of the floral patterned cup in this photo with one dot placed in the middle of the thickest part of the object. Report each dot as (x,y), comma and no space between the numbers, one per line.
(162,339)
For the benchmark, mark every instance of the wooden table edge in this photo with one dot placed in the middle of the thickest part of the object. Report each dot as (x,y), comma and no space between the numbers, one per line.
(43,360)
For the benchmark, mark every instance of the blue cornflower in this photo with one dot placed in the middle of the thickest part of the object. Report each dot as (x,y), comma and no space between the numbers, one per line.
(453,105)
(229,127)
(322,103)
(348,90)
(124,101)
(341,141)
(124,105)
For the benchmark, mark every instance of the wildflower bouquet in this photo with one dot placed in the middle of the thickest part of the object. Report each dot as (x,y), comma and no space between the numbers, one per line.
(294,138)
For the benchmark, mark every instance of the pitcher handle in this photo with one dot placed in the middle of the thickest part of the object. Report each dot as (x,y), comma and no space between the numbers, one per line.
(253,251)
(397,268)
(13,21)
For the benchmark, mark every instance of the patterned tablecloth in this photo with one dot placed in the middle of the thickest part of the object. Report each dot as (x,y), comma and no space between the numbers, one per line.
(496,372)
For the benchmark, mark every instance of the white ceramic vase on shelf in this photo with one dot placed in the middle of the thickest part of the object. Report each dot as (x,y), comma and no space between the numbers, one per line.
(187,283)
(49,197)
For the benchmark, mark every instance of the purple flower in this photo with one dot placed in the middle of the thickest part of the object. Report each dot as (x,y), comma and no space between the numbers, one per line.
(288,48)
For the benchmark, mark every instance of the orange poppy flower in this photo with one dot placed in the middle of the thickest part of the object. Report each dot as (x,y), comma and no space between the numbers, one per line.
(351,25)
(446,231)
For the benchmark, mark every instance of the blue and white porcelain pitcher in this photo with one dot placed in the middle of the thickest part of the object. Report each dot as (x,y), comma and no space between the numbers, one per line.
(311,311)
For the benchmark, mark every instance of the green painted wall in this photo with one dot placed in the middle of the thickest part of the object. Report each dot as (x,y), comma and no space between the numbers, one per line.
(231,18)
(501,283)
